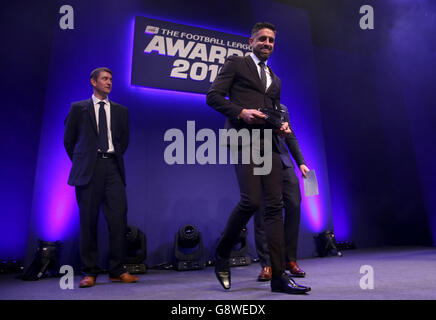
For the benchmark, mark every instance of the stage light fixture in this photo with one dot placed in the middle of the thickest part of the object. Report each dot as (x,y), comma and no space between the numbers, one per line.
(136,251)
(10,266)
(238,256)
(45,262)
(346,245)
(326,244)
(188,249)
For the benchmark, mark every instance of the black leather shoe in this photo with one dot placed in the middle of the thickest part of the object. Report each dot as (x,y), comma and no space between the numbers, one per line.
(222,271)
(286,285)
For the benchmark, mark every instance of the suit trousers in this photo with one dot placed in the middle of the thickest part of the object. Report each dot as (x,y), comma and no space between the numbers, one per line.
(107,190)
(251,189)
(291,203)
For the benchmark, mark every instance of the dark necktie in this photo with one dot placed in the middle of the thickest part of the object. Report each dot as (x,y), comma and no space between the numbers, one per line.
(102,129)
(263,74)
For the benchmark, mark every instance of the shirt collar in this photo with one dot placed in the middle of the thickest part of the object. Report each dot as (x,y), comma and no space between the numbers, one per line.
(95,100)
(256,59)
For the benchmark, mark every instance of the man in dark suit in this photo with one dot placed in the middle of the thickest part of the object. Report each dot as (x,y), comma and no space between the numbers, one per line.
(96,137)
(291,201)
(250,84)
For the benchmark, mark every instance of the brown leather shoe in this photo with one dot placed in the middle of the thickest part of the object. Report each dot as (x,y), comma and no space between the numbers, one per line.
(125,278)
(295,270)
(87,282)
(265,274)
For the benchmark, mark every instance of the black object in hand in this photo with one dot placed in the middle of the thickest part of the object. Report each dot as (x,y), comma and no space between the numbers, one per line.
(274,118)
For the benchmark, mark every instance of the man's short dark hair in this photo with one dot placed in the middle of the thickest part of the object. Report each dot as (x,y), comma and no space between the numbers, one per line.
(96,72)
(262,25)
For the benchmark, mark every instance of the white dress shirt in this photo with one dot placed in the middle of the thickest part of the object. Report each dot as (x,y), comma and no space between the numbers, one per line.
(268,75)
(107,109)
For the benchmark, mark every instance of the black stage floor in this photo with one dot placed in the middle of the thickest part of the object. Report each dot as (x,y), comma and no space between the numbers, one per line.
(400,273)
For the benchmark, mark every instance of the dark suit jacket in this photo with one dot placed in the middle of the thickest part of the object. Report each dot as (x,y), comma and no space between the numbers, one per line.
(292,144)
(240,81)
(81,139)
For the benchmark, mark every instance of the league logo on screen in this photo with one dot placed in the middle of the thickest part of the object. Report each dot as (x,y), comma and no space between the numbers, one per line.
(178,57)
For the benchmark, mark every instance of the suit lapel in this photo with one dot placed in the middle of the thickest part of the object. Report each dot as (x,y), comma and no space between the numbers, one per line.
(113,115)
(273,79)
(255,74)
(91,112)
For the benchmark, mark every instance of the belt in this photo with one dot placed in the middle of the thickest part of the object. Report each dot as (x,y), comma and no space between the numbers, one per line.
(105,155)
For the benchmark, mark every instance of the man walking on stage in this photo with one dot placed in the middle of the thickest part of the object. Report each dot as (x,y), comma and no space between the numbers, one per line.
(250,84)
(96,137)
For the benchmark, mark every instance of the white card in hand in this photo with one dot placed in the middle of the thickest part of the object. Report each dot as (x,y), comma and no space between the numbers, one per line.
(310,184)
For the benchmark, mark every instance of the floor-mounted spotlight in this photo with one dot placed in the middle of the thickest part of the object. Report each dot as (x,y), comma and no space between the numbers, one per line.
(136,251)
(45,262)
(188,249)
(11,266)
(326,244)
(238,256)
(346,245)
